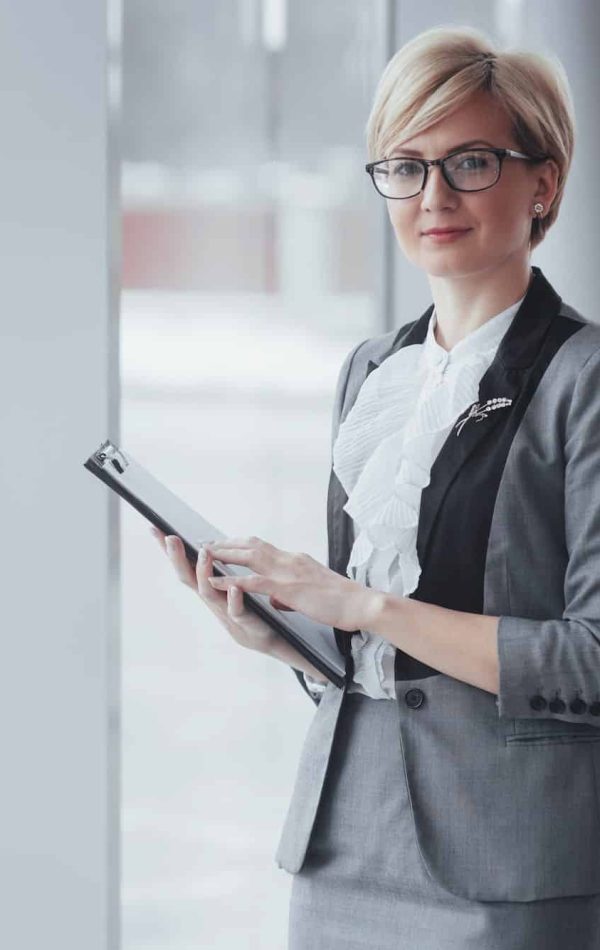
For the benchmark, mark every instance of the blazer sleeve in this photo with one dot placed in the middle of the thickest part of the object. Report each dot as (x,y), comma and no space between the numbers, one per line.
(310,686)
(540,657)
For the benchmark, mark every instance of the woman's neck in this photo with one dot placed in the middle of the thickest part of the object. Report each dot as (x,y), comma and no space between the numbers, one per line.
(462,304)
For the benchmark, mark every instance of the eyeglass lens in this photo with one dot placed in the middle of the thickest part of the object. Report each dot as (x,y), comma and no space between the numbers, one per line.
(468,171)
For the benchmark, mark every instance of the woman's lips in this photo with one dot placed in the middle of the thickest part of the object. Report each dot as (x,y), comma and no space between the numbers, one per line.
(443,237)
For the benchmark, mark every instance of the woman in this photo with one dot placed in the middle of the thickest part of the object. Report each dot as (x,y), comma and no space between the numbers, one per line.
(450,793)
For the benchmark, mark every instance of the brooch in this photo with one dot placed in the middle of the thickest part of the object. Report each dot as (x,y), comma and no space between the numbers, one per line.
(480,411)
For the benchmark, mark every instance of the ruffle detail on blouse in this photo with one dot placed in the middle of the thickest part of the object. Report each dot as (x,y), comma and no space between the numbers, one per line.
(383,455)
(371,655)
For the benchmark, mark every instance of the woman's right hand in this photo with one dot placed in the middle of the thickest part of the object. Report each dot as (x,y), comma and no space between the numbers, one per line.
(242,624)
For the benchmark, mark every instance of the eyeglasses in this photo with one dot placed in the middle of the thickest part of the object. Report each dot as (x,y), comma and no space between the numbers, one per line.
(472,169)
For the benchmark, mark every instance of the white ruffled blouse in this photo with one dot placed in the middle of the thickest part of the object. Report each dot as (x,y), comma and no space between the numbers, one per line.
(383,456)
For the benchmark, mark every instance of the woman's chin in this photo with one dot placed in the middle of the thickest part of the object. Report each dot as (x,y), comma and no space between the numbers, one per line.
(450,266)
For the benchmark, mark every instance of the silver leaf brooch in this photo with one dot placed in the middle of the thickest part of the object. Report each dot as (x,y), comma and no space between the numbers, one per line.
(479,411)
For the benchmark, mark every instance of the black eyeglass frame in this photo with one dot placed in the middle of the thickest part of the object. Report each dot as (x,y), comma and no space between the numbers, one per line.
(500,153)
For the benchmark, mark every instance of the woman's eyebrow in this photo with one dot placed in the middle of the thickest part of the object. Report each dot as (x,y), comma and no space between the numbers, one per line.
(411,151)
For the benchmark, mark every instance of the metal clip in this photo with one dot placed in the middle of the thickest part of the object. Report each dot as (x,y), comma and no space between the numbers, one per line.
(110,453)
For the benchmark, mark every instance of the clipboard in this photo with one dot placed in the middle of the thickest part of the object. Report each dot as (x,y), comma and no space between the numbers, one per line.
(120,471)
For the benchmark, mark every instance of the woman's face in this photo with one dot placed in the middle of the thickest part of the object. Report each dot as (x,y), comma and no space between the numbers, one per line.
(498,219)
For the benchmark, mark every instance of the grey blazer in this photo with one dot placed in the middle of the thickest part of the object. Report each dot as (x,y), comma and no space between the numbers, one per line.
(504,790)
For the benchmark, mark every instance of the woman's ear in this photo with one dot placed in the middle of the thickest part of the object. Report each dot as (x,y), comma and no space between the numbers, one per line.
(548,175)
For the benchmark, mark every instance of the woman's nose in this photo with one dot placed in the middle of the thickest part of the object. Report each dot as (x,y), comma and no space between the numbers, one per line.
(437,192)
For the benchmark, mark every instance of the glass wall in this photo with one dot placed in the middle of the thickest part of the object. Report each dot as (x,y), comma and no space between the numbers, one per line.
(249,233)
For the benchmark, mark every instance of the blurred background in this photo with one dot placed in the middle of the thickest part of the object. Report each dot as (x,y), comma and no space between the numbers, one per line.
(191,246)
(254,256)
(249,269)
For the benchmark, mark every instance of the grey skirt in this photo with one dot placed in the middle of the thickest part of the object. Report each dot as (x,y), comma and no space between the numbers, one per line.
(363,885)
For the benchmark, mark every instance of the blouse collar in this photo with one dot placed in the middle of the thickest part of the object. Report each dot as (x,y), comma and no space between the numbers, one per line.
(482,339)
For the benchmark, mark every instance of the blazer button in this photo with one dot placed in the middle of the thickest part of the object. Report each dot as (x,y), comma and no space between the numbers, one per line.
(414,698)
(578,706)
(537,702)
(595,709)
(557,705)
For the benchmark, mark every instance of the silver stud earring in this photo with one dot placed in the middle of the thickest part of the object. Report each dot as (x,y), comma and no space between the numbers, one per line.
(539,209)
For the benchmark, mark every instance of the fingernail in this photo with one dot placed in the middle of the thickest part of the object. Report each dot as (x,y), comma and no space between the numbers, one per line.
(202,555)
(170,541)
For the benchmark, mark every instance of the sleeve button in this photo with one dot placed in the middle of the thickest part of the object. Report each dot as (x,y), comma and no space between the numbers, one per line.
(557,705)
(537,702)
(578,706)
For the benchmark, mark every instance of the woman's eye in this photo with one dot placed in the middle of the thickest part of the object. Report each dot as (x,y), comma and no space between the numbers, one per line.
(404,169)
(472,163)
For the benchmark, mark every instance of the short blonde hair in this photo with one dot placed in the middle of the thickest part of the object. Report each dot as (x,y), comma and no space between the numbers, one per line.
(438,71)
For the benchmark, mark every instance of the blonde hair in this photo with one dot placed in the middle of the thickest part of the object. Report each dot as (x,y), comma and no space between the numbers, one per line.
(441,68)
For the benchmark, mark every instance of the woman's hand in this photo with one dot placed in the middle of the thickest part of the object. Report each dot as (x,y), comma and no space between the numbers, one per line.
(242,624)
(296,580)
(228,606)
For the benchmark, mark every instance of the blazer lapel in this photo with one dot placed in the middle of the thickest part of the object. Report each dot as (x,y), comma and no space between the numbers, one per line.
(498,399)
(503,380)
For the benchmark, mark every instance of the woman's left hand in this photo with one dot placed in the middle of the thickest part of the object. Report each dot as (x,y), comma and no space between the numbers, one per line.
(294,581)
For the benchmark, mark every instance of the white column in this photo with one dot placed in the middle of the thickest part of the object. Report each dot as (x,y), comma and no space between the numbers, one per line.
(59,706)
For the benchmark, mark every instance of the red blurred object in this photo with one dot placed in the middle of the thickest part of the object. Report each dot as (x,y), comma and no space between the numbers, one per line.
(228,250)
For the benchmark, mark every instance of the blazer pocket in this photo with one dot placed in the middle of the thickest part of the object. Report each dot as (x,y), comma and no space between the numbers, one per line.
(549,739)
(550,732)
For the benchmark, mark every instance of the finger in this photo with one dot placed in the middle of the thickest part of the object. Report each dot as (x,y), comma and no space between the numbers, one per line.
(278,604)
(260,556)
(216,600)
(235,603)
(257,545)
(177,556)
(254,583)
(231,555)
(248,542)
(160,537)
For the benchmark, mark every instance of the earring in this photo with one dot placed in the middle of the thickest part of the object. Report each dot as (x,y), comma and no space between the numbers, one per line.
(539,209)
